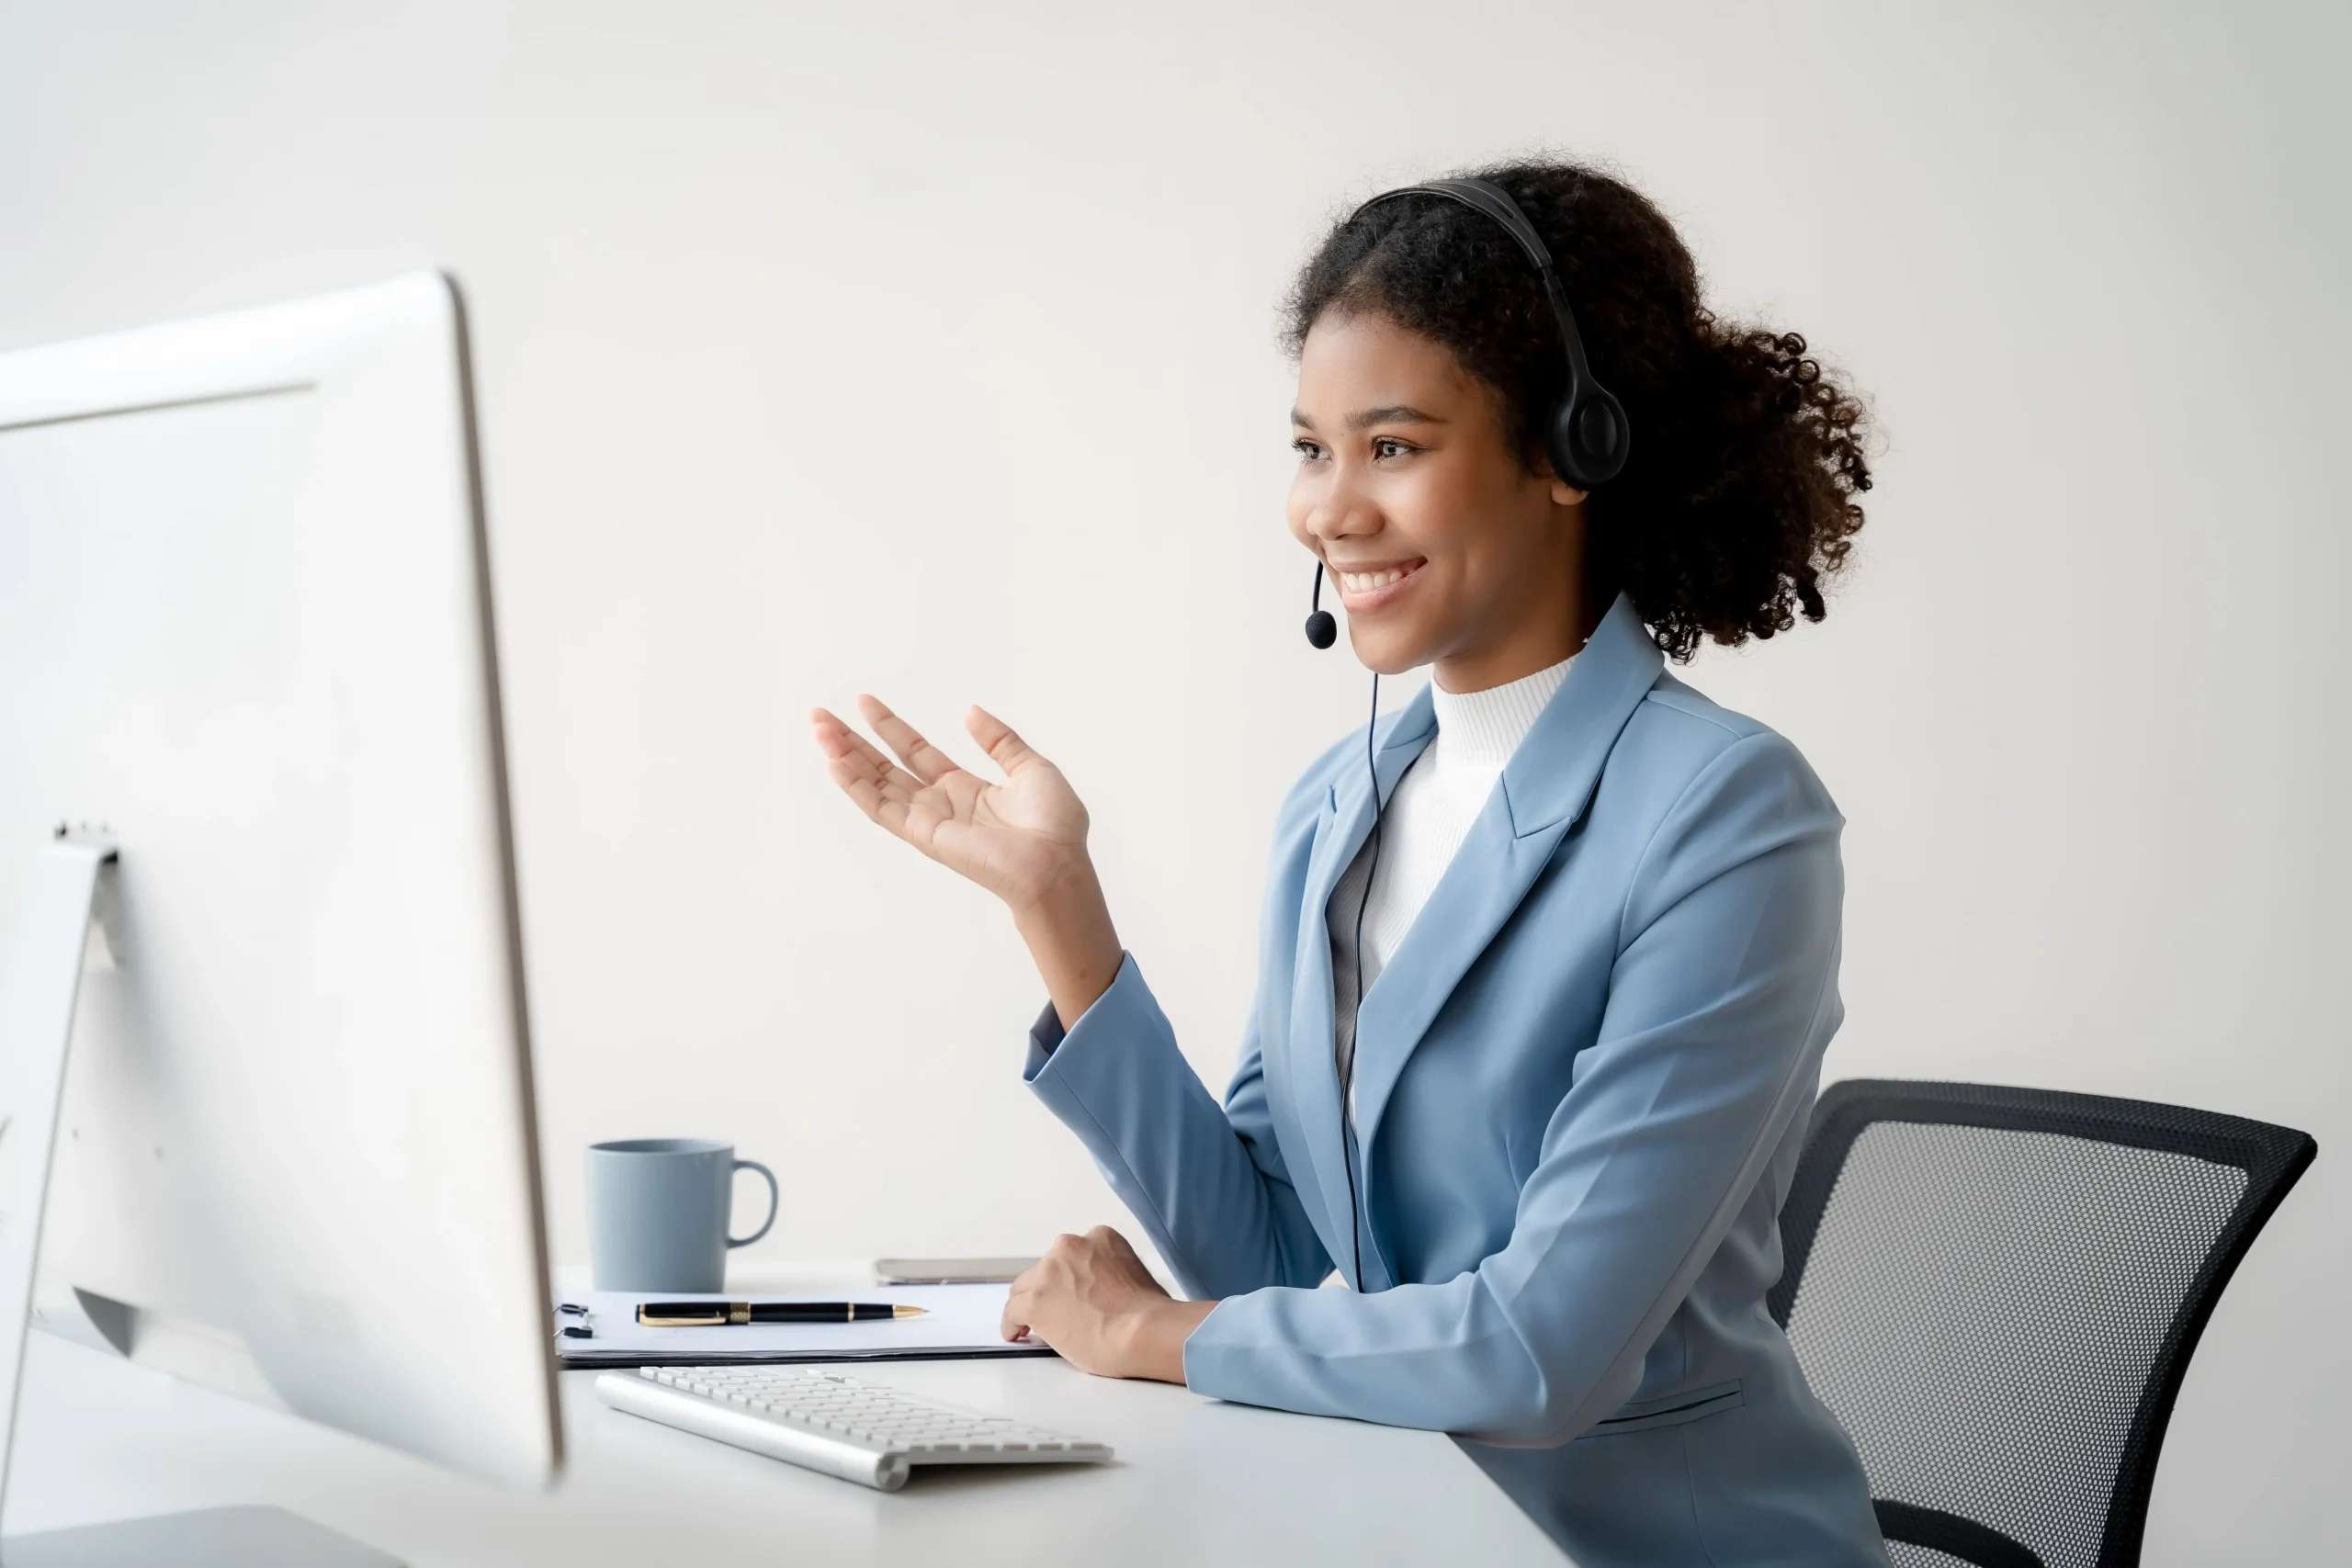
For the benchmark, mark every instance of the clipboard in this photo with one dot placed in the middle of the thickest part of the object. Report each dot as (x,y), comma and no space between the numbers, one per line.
(960,1323)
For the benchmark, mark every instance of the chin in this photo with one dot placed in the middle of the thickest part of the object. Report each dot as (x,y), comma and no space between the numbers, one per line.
(1387,656)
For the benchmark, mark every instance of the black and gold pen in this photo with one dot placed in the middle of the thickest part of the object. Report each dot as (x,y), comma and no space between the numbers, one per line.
(719,1315)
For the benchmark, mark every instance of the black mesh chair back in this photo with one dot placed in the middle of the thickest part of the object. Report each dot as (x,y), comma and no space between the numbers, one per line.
(1998,1291)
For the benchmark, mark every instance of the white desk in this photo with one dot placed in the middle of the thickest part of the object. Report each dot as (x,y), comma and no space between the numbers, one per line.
(1195,1483)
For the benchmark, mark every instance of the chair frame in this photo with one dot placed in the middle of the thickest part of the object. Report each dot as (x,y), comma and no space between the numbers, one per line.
(2273,1158)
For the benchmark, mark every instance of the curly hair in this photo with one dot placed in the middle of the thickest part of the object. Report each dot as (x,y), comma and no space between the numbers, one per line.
(1737,498)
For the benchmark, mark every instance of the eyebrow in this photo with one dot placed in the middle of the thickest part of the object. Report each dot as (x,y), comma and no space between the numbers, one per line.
(1364,419)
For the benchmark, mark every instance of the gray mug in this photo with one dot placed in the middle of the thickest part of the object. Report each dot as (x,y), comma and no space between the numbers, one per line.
(658,1211)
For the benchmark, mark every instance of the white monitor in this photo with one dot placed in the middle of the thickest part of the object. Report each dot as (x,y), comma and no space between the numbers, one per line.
(245,639)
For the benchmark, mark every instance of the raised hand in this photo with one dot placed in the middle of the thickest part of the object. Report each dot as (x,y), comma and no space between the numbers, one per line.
(1017,839)
(1024,839)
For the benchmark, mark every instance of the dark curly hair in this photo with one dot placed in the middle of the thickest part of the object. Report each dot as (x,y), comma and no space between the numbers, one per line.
(1737,498)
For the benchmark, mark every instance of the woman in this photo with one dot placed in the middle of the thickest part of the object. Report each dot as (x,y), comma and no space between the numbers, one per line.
(1530,1064)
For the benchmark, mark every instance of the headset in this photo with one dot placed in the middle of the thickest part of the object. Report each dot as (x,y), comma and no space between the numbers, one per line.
(1587,439)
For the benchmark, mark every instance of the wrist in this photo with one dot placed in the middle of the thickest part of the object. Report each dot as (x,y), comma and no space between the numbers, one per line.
(1156,1338)
(1067,927)
(1063,902)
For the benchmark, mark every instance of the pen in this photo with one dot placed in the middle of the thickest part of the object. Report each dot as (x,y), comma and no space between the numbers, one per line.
(719,1315)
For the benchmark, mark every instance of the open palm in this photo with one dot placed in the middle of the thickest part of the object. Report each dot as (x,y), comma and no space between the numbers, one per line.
(1017,839)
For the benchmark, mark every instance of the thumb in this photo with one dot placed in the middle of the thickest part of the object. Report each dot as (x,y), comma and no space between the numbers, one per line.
(1005,749)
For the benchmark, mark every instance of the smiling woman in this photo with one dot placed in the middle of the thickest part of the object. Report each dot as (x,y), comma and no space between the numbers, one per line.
(1446,548)
(1532,1079)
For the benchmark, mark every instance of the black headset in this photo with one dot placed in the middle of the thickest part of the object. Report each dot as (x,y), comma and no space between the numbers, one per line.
(1587,439)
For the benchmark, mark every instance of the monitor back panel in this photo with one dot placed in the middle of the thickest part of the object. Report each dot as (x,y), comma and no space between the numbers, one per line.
(244,630)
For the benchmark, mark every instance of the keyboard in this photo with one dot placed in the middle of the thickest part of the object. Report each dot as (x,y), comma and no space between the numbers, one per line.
(827,1420)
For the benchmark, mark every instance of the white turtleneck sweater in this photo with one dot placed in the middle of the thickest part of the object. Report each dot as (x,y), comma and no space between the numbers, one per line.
(1428,817)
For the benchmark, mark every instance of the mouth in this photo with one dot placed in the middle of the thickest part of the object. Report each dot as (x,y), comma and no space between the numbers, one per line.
(1366,588)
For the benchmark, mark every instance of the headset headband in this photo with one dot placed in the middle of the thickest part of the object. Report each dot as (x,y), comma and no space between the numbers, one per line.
(1588,435)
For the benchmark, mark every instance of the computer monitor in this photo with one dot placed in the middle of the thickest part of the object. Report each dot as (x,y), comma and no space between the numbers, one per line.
(246,640)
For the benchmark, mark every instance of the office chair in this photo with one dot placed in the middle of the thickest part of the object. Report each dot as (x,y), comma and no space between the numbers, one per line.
(1997,1291)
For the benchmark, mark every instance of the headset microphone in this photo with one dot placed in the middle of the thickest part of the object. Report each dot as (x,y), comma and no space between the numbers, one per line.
(1321,629)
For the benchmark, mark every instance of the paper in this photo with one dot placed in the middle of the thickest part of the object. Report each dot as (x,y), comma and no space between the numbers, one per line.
(959,1320)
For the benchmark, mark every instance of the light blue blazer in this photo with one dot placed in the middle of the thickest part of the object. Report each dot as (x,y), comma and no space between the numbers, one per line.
(1582,1084)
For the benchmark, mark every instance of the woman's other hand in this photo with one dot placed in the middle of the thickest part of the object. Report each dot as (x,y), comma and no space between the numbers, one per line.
(1091,1298)
(1024,839)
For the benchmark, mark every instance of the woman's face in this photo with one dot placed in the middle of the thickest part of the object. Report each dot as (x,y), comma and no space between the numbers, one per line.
(1444,547)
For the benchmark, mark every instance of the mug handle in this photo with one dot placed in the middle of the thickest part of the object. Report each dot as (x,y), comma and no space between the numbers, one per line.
(764,1170)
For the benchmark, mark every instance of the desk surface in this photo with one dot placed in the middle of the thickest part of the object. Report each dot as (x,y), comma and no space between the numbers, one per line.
(1196,1482)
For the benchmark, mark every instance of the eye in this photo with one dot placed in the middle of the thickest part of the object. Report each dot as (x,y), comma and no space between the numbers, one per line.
(1389,446)
(1309,451)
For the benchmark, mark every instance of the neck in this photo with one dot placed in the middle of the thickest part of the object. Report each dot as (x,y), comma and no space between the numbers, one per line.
(1538,642)
(1540,617)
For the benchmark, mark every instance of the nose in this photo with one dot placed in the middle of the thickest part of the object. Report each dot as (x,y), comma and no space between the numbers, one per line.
(1339,509)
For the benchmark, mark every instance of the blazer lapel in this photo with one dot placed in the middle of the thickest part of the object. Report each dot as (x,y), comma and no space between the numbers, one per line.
(1310,1064)
(1544,789)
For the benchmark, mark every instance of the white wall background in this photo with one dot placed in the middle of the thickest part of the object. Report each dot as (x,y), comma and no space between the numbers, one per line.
(930,350)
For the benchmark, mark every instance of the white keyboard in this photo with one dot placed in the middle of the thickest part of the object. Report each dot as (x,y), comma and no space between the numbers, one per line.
(825,1420)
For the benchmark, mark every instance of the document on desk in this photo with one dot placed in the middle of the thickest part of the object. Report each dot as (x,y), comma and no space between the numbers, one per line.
(957,1320)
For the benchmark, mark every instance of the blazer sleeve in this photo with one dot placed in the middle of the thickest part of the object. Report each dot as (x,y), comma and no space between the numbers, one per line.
(1208,1183)
(1721,998)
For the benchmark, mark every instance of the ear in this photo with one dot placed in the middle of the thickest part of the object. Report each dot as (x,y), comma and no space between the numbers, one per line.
(1562,492)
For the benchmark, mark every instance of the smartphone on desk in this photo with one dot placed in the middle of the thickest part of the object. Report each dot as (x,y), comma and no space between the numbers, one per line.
(949,1270)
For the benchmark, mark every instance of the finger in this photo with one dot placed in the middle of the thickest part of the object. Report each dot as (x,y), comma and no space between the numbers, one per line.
(839,741)
(833,736)
(1015,1322)
(883,791)
(1005,749)
(885,800)
(926,761)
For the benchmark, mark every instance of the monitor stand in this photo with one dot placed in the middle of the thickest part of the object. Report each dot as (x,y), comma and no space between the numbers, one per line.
(41,976)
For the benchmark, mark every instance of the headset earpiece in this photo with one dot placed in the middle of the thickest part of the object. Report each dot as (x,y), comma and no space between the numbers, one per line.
(1587,445)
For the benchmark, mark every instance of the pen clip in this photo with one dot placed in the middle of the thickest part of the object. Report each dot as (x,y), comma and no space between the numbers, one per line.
(714,1319)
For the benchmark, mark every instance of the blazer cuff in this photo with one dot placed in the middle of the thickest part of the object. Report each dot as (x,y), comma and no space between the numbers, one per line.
(1044,1036)
(1062,1063)
(1214,1364)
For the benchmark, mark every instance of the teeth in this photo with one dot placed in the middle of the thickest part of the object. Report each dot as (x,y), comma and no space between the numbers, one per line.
(1365,581)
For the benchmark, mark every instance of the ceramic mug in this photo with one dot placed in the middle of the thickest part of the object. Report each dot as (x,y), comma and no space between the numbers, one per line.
(658,1214)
